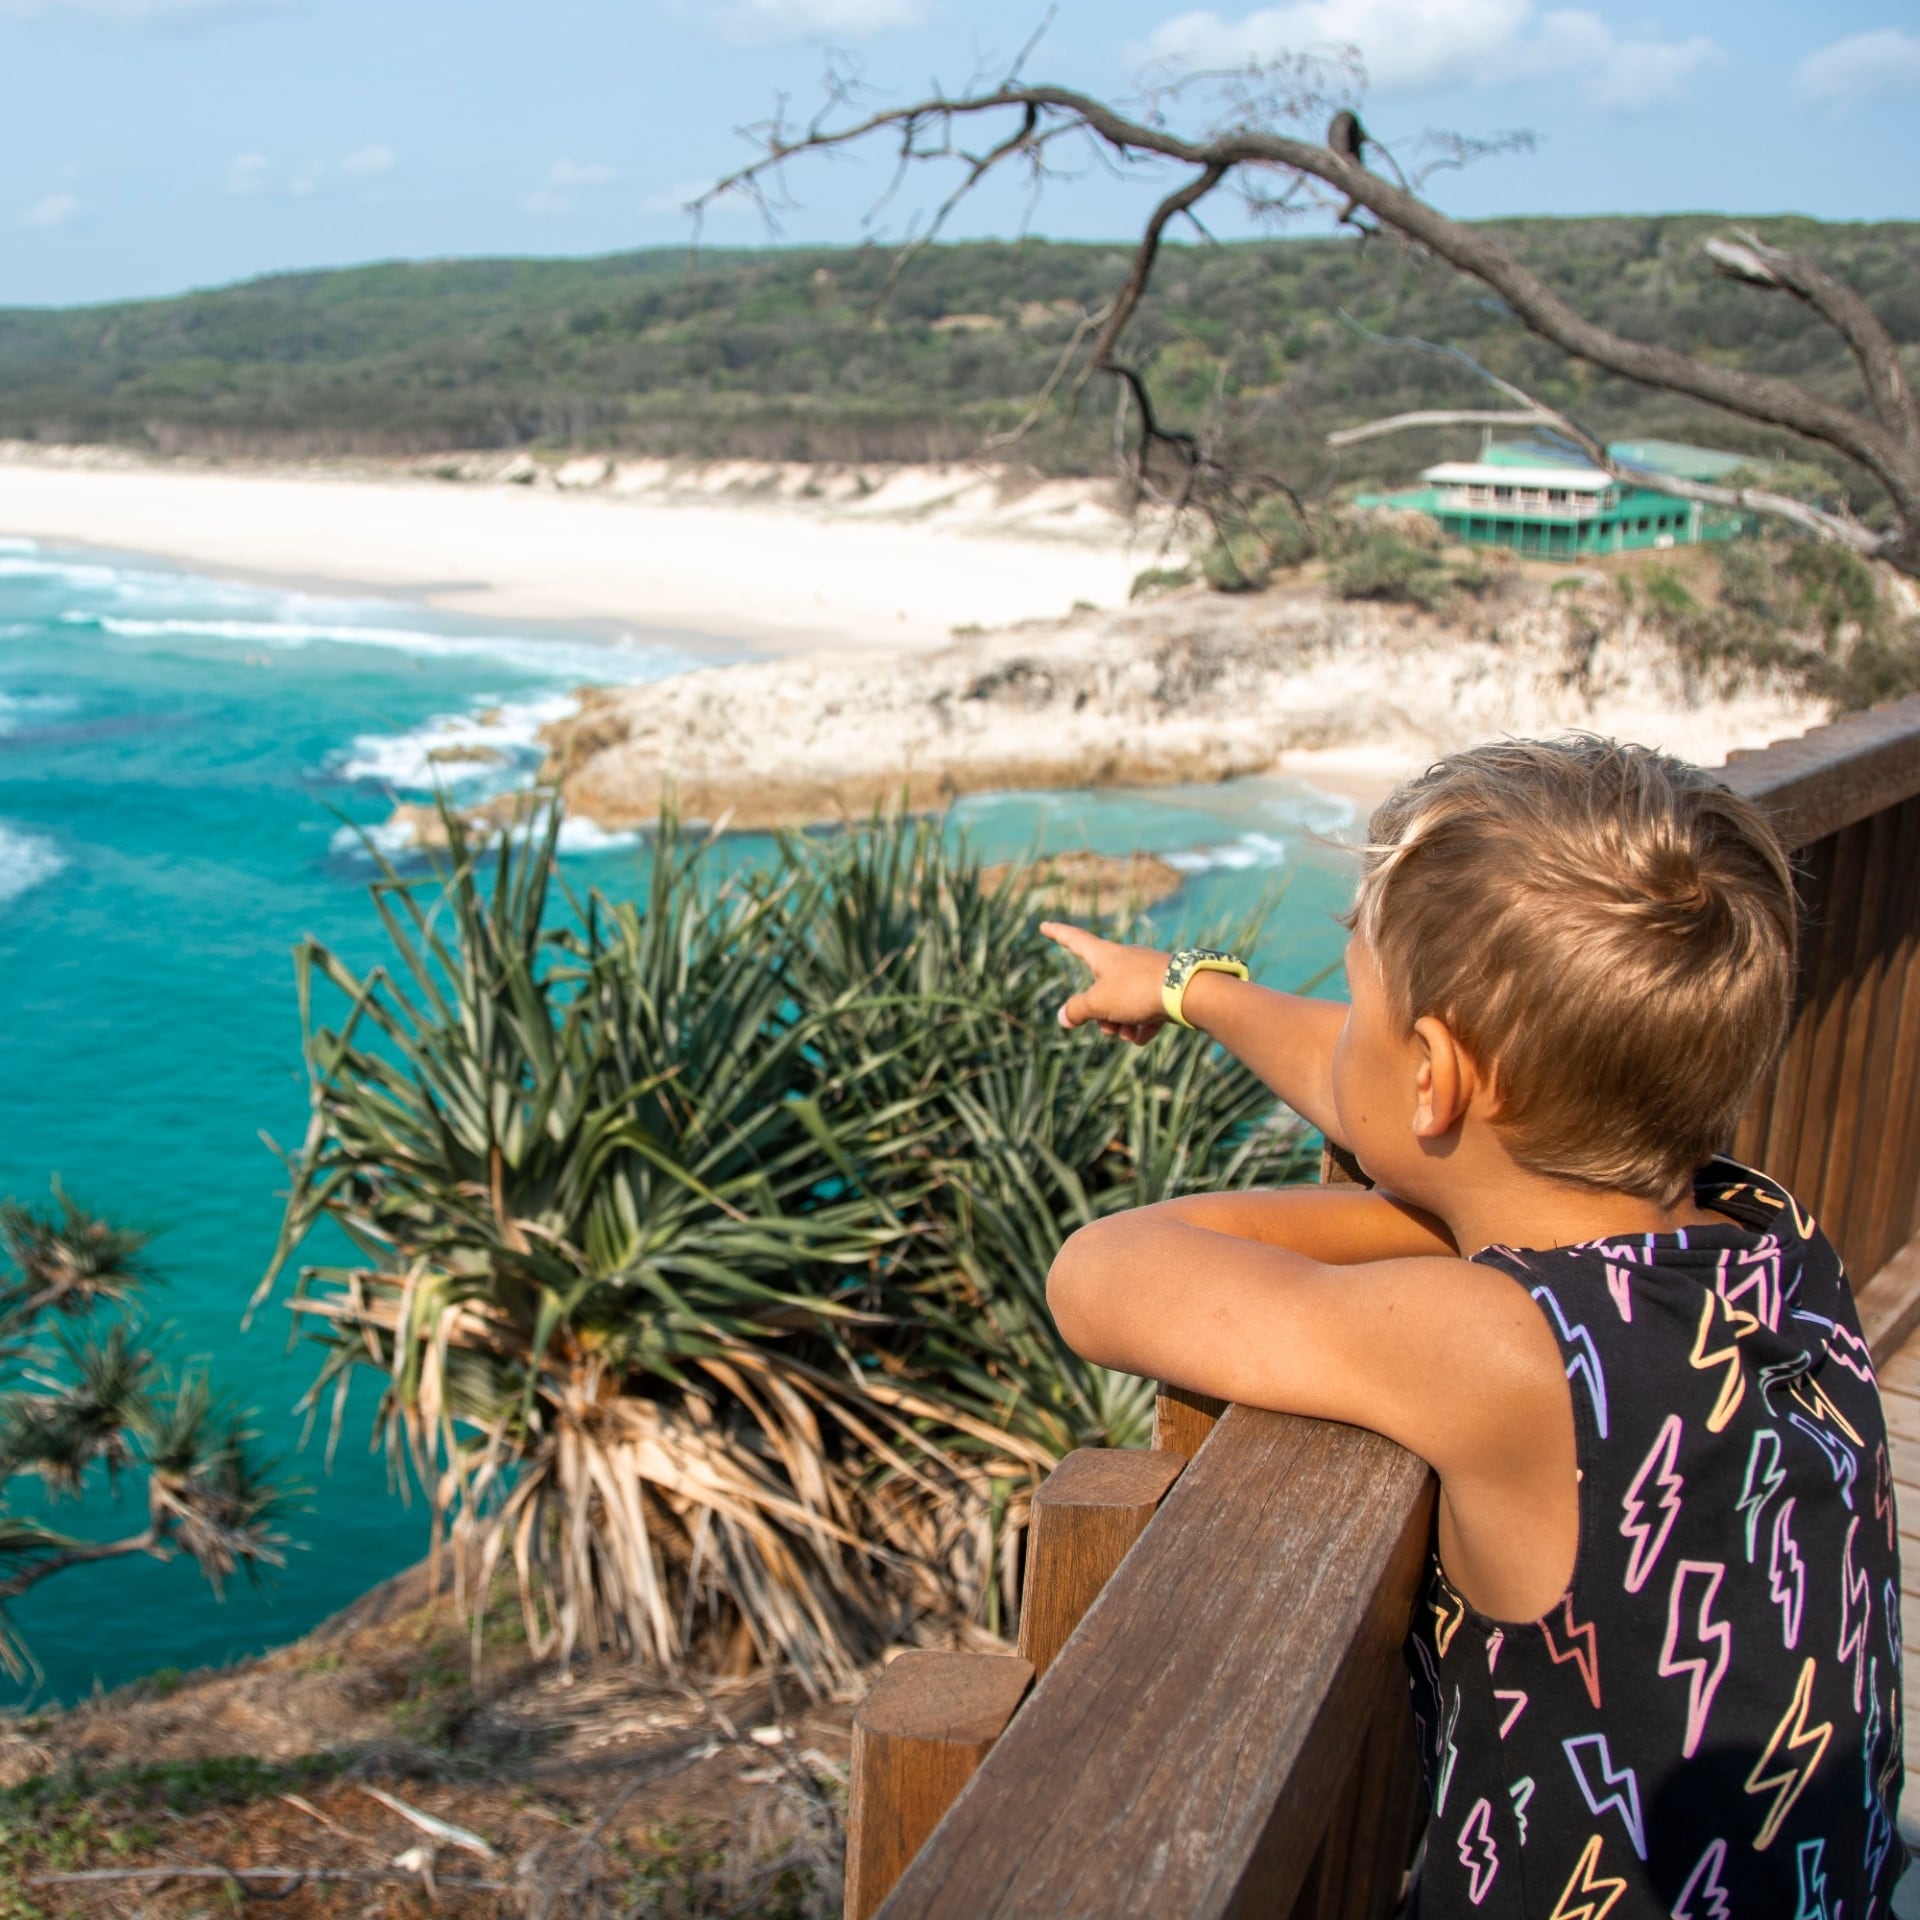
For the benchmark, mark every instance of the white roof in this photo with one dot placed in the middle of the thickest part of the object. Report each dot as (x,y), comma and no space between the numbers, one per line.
(1483,473)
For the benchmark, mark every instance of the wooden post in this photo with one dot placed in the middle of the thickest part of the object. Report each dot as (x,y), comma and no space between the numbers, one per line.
(1183,1419)
(1360,1870)
(1089,1510)
(918,1738)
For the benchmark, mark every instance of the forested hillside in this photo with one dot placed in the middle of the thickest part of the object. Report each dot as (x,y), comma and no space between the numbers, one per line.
(782,354)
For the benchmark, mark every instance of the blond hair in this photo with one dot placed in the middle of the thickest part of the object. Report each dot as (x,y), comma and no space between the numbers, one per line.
(1610,934)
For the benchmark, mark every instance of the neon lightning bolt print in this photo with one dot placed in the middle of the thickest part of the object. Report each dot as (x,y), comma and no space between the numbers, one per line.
(1585,1881)
(1582,1648)
(1520,1793)
(1856,1613)
(1624,1798)
(1787,1577)
(1585,1362)
(1646,1538)
(1879,1827)
(1765,1478)
(1703,1884)
(1705,1669)
(1733,1383)
(1791,1736)
(1813,1881)
(1477,1852)
(1840,1456)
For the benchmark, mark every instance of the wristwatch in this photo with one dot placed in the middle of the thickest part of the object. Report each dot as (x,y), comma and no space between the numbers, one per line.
(1181,969)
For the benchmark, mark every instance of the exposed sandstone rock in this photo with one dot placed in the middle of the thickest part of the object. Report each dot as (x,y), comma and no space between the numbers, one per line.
(1191,689)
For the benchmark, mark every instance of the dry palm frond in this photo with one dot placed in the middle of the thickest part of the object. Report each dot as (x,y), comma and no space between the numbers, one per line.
(703,1241)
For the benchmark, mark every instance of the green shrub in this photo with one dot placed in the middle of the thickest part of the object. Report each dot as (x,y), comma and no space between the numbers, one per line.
(1812,611)
(1381,565)
(1249,549)
(1151,582)
(702,1240)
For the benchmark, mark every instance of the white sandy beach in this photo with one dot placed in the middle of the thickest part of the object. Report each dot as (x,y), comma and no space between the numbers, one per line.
(893,568)
(939,630)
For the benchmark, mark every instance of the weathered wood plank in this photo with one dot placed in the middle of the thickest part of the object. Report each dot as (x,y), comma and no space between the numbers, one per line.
(1846,1119)
(1181,1755)
(1086,1514)
(1182,1420)
(1884,1089)
(1779,1138)
(918,1738)
(1833,941)
(1360,1870)
(1889,1305)
(1833,775)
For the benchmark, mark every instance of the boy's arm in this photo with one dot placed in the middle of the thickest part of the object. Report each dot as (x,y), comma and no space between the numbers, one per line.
(1449,1358)
(1285,1039)
(1339,1226)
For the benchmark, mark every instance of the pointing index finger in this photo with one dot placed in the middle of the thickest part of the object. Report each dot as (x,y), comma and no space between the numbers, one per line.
(1076,940)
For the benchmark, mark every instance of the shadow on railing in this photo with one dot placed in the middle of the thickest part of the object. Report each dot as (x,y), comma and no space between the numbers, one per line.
(1207,1715)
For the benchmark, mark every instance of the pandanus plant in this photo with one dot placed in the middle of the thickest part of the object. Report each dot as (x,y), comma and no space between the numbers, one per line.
(86,1393)
(701,1239)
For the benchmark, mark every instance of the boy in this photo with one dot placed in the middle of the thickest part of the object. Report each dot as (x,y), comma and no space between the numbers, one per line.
(1656,1663)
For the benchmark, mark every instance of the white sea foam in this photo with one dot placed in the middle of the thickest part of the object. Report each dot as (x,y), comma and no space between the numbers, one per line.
(18,710)
(9,544)
(584,836)
(624,661)
(396,838)
(1235,856)
(26,859)
(76,573)
(428,756)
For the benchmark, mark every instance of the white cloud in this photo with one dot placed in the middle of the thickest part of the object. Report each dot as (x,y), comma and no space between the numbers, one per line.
(249,173)
(580,173)
(136,12)
(1415,46)
(675,199)
(1885,61)
(761,22)
(544,201)
(53,210)
(368,160)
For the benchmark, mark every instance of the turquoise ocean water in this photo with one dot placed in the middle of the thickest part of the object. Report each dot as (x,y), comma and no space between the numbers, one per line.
(176,756)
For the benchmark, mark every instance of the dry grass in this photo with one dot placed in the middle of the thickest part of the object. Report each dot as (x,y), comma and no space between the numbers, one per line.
(593,1792)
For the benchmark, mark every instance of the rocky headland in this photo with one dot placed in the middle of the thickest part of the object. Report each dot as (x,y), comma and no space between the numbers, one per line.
(1196,687)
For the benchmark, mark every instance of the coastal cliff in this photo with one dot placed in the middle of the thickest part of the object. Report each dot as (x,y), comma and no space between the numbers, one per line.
(1197,687)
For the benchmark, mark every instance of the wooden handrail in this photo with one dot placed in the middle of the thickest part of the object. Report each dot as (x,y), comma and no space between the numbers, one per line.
(1194,1748)
(1833,776)
(1180,1754)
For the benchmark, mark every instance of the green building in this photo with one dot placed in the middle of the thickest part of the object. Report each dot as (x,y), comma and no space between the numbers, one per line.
(1536,498)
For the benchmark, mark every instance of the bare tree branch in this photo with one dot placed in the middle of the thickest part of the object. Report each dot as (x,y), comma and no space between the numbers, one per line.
(1839,528)
(1885,441)
(1437,417)
(81,1553)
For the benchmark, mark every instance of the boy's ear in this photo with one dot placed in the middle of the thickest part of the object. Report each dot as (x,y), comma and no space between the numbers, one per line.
(1446,1079)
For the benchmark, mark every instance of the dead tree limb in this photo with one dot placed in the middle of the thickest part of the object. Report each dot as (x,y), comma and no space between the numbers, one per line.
(1884,438)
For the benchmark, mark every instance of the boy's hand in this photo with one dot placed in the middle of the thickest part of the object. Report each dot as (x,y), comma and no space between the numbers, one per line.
(1123,999)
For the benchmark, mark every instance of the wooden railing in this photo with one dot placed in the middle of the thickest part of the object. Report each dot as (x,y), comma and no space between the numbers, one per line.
(1207,1715)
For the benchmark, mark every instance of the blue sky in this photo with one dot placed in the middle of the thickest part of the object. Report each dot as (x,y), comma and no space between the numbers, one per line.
(153,145)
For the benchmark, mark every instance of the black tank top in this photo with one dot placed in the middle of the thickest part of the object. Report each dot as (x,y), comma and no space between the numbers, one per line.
(1707,1726)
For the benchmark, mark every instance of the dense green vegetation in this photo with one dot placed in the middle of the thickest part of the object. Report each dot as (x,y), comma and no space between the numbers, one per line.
(781,353)
(88,1396)
(703,1243)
